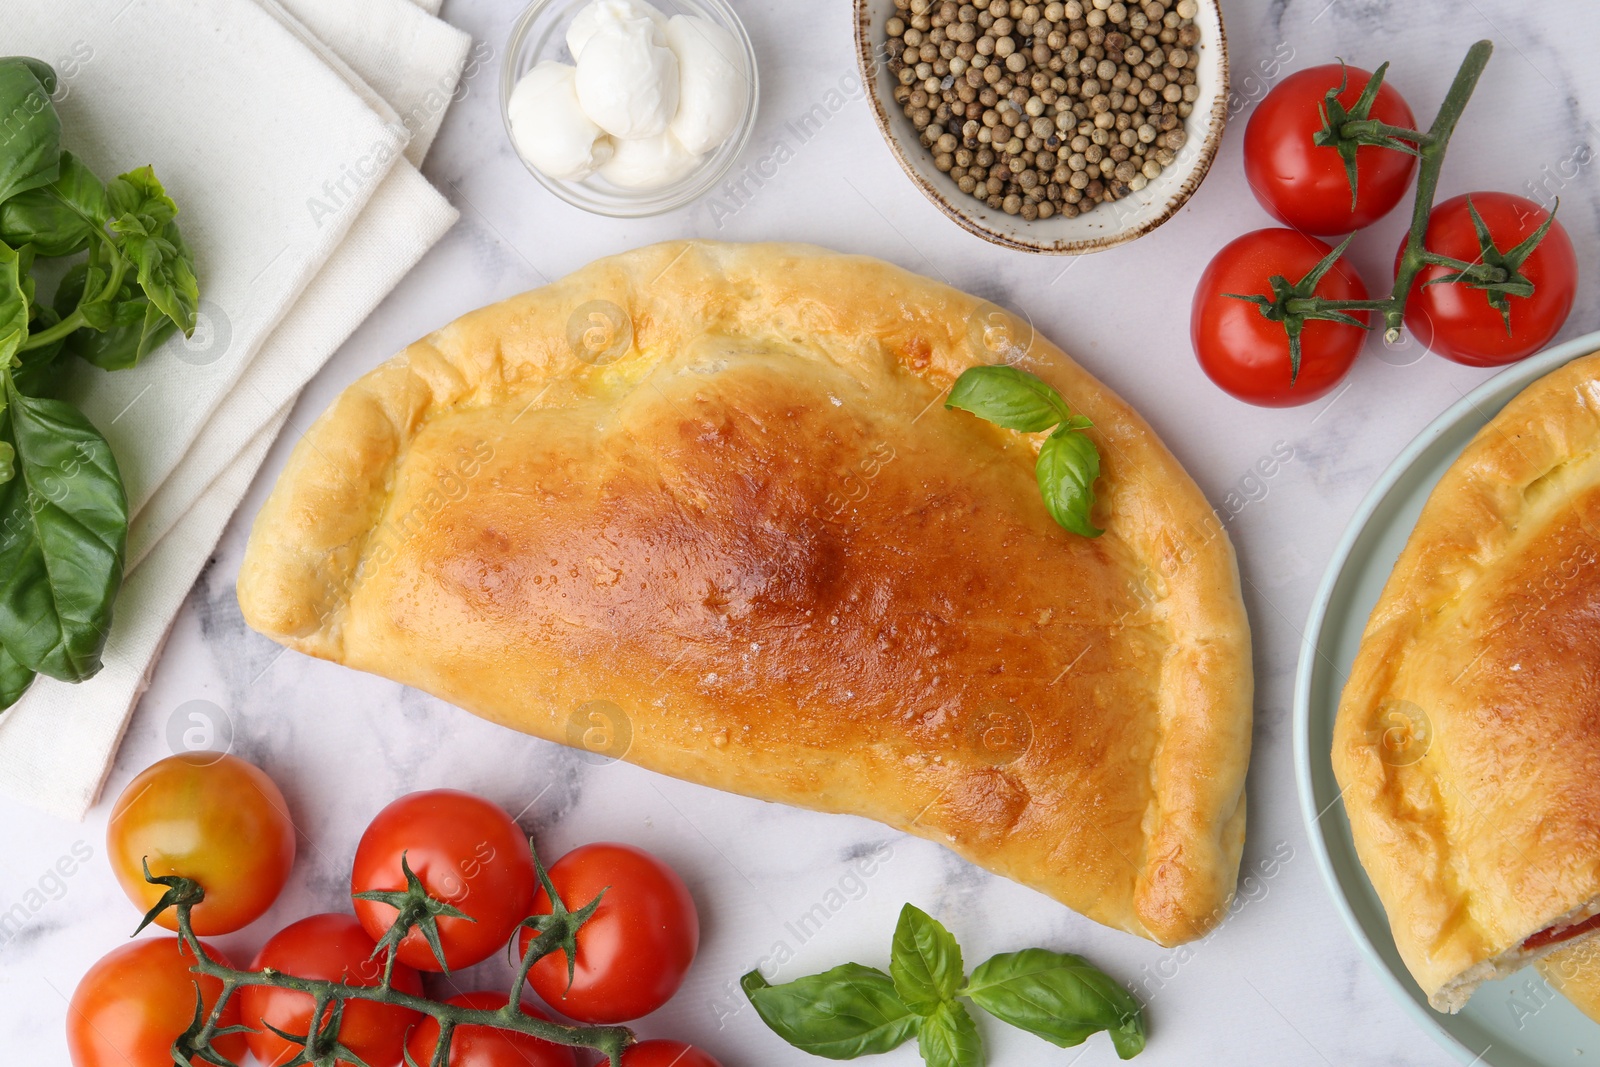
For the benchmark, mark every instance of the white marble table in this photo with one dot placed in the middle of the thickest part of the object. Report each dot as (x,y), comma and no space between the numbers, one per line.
(1281,982)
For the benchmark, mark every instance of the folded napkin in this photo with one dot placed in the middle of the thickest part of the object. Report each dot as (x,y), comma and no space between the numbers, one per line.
(402,64)
(297,192)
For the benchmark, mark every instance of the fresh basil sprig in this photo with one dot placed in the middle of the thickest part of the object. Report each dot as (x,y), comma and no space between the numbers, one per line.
(63,508)
(855,1011)
(1068,461)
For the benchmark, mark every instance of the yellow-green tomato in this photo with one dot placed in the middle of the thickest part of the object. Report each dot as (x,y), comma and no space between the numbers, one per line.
(218,820)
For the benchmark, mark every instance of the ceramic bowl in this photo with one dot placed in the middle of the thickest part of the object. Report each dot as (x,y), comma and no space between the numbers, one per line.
(1105,226)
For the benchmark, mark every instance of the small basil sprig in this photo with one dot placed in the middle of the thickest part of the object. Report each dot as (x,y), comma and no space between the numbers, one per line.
(1068,461)
(63,509)
(855,1011)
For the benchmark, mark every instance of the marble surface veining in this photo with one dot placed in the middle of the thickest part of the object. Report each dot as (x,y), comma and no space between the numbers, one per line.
(1281,982)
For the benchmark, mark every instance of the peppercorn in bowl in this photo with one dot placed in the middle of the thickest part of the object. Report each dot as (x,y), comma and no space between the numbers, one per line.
(1062,127)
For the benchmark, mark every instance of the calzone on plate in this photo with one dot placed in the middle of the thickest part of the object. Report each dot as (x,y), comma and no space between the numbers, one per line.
(1467,741)
(706,498)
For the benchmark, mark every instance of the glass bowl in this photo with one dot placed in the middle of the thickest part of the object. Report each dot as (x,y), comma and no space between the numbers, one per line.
(540,34)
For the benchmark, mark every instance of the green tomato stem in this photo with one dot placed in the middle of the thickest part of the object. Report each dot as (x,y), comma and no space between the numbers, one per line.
(1432,154)
(183,894)
(1308,305)
(1372,128)
(1477,272)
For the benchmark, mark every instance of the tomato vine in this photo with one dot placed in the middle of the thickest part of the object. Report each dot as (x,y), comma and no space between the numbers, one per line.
(1496,272)
(320,1047)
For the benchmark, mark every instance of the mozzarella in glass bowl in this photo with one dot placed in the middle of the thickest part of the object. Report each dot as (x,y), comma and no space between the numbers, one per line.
(627,109)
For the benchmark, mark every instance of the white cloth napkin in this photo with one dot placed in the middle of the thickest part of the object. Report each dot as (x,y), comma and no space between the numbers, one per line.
(297,191)
(402,64)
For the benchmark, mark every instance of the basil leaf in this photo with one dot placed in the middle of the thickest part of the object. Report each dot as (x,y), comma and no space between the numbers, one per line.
(840,1014)
(41,70)
(63,538)
(1059,997)
(1068,461)
(925,962)
(133,326)
(142,214)
(1128,1039)
(57,219)
(14,679)
(30,155)
(81,191)
(1008,397)
(139,193)
(1067,468)
(137,328)
(169,281)
(949,1038)
(14,311)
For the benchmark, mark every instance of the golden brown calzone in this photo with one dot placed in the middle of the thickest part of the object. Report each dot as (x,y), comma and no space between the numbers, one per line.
(1468,735)
(712,490)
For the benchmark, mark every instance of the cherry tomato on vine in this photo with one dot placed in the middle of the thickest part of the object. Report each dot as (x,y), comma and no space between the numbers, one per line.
(468,853)
(659,1053)
(336,948)
(1303,184)
(133,1004)
(483,1046)
(216,819)
(1456,320)
(1247,354)
(636,948)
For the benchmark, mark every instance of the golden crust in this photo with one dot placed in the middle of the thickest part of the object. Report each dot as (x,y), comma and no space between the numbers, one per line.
(1468,735)
(760,539)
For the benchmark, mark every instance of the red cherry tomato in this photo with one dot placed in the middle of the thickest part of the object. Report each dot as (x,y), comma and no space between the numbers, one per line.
(636,948)
(660,1053)
(467,852)
(483,1046)
(132,1005)
(1303,184)
(1247,354)
(336,948)
(1456,320)
(218,820)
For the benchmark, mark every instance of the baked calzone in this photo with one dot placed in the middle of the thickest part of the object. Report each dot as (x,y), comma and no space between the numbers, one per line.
(1468,736)
(707,497)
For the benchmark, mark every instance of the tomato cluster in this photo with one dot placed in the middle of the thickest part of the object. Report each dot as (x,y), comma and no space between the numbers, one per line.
(223,822)
(1307,186)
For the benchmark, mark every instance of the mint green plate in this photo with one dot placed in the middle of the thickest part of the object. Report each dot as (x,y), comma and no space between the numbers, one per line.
(1518,1021)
